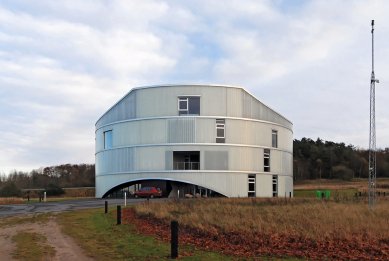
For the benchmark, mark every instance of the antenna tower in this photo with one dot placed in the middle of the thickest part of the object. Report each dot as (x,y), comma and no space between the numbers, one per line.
(372,138)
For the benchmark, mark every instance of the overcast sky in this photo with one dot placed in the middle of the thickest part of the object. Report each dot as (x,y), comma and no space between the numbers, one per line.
(64,63)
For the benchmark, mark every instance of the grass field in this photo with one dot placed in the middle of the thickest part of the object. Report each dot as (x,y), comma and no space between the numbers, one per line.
(102,239)
(306,228)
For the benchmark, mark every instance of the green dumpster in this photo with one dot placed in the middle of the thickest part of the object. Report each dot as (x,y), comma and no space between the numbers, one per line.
(323,194)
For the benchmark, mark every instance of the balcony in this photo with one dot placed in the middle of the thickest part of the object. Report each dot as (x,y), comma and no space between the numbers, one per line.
(186,160)
(186,165)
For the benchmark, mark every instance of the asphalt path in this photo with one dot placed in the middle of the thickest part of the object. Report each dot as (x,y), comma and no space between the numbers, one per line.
(60,206)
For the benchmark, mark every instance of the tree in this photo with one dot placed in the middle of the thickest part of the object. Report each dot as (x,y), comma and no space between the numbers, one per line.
(10,190)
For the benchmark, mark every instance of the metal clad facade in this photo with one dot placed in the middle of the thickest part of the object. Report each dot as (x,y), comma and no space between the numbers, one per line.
(216,160)
(181,130)
(147,129)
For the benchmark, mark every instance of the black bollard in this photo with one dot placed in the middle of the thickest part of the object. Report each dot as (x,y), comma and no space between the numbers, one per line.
(119,215)
(106,207)
(174,239)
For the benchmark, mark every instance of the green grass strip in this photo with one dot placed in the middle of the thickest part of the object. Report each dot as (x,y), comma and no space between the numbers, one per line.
(98,234)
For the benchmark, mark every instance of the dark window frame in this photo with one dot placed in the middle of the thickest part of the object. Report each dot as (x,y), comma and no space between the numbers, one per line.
(251,180)
(266,160)
(275,185)
(274,138)
(189,105)
(220,126)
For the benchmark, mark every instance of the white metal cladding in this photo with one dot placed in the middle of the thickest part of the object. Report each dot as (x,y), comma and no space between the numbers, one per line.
(153,158)
(146,130)
(215,160)
(216,100)
(181,130)
(125,109)
(228,184)
(193,130)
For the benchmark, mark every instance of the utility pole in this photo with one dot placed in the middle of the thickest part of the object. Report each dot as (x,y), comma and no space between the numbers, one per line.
(372,137)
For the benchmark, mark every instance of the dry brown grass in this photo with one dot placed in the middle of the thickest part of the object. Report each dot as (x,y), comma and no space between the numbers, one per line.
(359,184)
(301,217)
(11,200)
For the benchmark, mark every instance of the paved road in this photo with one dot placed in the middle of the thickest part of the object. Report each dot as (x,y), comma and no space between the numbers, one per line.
(44,207)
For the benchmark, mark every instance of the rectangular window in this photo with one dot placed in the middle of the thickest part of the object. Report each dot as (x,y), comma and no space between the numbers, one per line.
(266,160)
(189,105)
(108,139)
(275,186)
(274,138)
(251,183)
(220,131)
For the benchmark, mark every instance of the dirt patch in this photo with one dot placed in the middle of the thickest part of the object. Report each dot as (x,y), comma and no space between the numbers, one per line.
(65,247)
(356,247)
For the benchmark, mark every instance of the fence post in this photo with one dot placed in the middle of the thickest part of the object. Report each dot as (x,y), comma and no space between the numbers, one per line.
(174,239)
(44,196)
(106,207)
(119,215)
(125,199)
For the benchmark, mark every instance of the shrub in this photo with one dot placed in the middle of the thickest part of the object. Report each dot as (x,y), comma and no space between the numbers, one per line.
(10,190)
(54,190)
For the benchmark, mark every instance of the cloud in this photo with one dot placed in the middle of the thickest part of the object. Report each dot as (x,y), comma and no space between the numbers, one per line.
(64,63)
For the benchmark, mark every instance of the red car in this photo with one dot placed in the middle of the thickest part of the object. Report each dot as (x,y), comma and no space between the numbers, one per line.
(148,192)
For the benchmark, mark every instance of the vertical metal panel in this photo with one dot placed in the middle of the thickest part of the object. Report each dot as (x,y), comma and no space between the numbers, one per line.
(152,131)
(216,160)
(264,186)
(234,102)
(287,163)
(155,102)
(125,109)
(117,160)
(150,158)
(168,160)
(181,130)
(281,186)
(214,101)
(246,102)
(205,130)
(275,161)
(244,159)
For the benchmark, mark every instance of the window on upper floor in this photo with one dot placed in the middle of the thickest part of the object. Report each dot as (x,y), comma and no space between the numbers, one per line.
(274,138)
(189,105)
(266,160)
(220,131)
(108,139)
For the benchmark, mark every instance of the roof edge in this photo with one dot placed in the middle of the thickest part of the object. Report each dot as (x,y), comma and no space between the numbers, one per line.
(183,85)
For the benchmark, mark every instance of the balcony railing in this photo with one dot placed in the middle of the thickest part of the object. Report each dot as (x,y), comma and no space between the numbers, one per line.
(186,165)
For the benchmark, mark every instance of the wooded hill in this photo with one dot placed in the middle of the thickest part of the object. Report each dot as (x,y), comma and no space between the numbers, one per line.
(55,177)
(330,160)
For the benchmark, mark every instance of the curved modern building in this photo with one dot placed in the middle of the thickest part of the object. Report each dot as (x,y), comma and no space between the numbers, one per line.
(194,139)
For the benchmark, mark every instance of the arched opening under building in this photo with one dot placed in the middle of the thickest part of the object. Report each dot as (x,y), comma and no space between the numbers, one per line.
(169,188)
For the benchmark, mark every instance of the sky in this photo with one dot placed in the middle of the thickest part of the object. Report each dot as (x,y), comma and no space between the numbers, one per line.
(64,63)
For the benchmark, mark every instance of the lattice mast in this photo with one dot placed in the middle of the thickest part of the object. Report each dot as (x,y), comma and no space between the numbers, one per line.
(372,138)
